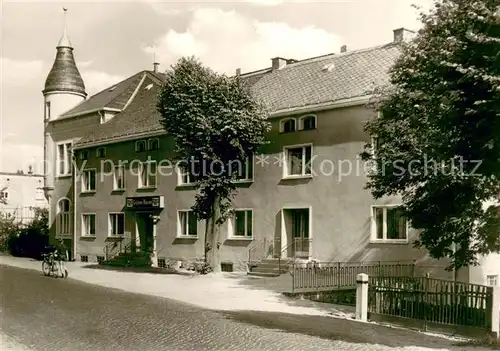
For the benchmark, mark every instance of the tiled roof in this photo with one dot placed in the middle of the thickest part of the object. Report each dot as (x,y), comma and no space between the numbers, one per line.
(309,82)
(138,118)
(114,97)
(64,75)
(325,79)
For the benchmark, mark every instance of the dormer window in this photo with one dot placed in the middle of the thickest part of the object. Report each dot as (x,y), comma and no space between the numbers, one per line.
(84,155)
(307,122)
(153,144)
(101,152)
(288,125)
(140,146)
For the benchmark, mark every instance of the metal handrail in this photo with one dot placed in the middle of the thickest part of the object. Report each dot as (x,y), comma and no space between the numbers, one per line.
(287,246)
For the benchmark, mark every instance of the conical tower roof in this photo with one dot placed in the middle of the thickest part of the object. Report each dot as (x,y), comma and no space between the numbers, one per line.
(64,75)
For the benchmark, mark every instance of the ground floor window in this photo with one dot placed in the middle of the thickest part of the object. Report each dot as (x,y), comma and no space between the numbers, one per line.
(188,224)
(492,280)
(389,224)
(88,224)
(242,224)
(116,224)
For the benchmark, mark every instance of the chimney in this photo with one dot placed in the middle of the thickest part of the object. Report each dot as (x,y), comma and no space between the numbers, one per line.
(155,67)
(238,71)
(343,48)
(30,170)
(278,63)
(403,35)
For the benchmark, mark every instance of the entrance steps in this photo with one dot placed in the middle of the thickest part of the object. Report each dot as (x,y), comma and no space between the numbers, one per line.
(270,267)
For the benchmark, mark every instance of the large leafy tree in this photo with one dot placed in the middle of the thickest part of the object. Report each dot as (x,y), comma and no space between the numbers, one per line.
(438,131)
(217,125)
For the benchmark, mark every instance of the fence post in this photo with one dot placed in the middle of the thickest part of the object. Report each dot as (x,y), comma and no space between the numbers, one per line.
(495,312)
(338,275)
(425,302)
(362,297)
(293,277)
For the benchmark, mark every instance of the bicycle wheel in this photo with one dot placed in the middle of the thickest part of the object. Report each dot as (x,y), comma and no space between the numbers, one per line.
(46,268)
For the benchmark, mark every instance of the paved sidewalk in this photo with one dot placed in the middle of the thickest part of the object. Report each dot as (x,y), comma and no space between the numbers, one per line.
(214,291)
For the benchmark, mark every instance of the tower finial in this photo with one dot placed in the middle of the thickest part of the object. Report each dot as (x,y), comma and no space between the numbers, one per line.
(64,39)
(155,64)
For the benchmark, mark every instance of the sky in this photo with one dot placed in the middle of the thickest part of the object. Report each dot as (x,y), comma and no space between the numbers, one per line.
(113,40)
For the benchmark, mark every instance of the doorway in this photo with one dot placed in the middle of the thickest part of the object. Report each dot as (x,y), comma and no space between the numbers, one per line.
(297,231)
(144,223)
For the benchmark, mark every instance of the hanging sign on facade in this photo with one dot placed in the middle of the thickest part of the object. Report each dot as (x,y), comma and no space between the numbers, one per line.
(145,202)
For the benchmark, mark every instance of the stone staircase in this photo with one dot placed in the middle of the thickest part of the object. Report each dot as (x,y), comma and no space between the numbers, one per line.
(269,267)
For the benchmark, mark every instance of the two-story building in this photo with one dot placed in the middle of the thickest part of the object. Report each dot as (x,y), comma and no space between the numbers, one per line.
(111,177)
(21,193)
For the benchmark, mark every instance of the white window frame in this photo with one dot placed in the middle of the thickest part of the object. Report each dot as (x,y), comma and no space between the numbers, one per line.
(63,216)
(184,172)
(140,142)
(85,173)
(373,219)
(115,181)
(286,161)
(180,230)
(68,161)
(144,168)
(284,121)
(492,280)
(85,229)
(47,110)
(4,195)
(39,194)
(249,176)
(232,225)
(97,152)
(110,224)
(150,141)
(301,122)
(84,154)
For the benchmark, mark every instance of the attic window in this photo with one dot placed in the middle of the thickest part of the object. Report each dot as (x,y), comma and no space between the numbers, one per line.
(112,88)
(101,152)
(287,125)
(154,144)
(329,67)
(84,155)
(140,146)
(149,86)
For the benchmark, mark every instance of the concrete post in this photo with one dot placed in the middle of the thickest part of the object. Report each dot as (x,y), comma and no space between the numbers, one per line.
(154,254)
(362,297)
(495,312)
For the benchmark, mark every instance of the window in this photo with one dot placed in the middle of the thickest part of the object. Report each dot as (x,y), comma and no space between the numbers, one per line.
(243,170)
(242,224)
(84,155)
(307,122)
(298,161)
(101,152)
(188,224)
(63,217)
(140,146)
(186,175)
(47,110)
(116,224)
(389,224)
(492,280)
(88,180)
(39,196)
(153,144)
(64,158)
(287,125)
(84,258)
(119,177)
(88,224)
(4,195)
(147,177)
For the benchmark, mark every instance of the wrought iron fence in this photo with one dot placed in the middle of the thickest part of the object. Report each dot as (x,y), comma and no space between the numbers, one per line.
(320,276)
(431,300)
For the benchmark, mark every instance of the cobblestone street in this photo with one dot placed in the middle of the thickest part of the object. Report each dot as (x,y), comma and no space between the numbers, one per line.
(42,313)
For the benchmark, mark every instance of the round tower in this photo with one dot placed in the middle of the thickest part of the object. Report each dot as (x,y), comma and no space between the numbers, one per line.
(64,89)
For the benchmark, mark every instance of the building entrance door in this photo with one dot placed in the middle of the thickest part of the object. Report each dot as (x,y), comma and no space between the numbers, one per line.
(145,224)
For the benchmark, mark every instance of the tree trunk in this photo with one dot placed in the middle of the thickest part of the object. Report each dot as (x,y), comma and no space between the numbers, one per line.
(212,231)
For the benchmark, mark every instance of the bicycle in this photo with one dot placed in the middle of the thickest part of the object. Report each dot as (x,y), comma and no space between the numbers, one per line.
(50,265)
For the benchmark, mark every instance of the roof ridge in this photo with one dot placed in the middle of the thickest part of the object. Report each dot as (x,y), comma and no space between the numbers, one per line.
(135,76)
